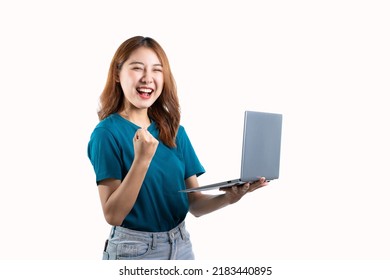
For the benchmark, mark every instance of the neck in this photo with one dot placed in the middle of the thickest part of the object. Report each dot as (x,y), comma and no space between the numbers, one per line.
(139,117)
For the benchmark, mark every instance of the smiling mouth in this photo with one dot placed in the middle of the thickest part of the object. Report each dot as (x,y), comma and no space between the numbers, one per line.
(145,92)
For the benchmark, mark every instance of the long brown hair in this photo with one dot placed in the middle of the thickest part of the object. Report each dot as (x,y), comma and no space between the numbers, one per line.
(165,111)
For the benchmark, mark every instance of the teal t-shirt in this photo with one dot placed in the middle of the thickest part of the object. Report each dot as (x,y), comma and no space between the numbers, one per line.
(159,206)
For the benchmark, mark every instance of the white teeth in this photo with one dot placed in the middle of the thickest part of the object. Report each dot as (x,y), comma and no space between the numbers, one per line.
(145,90)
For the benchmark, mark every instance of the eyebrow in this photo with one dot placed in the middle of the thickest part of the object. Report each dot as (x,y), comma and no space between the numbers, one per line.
(138,62)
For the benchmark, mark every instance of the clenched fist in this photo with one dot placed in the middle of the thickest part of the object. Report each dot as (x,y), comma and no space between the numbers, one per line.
(145,145)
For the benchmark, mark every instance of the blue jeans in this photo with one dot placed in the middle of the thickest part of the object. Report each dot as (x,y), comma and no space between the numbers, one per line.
(127,244)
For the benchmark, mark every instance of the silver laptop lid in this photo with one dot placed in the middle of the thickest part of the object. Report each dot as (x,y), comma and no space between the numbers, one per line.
(261,146)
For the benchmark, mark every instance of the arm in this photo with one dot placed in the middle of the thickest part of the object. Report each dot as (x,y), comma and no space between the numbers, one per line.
(118,197)
(201,204)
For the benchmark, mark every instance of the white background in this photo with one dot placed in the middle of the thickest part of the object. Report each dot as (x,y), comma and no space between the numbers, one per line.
(323,64)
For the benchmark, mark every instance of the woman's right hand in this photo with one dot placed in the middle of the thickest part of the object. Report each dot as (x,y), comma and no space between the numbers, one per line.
(145,145)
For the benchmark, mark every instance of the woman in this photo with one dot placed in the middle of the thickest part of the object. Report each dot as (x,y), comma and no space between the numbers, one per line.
(142,157)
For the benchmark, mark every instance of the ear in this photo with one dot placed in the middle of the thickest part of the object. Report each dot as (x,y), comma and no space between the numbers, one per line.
(116,76)
(116,73)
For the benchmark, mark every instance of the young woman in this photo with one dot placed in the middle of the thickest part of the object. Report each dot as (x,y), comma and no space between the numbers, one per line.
(142,157)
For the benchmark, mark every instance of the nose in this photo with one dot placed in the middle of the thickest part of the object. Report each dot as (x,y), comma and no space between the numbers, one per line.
(147,78)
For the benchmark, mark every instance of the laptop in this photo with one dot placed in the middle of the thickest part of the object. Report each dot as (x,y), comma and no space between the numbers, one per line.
(260,150)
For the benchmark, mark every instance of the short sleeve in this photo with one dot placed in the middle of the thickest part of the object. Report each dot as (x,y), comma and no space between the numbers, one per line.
(192,163)
(104,154)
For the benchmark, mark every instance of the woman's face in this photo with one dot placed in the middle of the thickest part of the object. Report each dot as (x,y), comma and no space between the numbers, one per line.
(141,78)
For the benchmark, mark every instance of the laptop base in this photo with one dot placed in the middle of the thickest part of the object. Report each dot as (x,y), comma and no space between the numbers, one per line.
(226,184)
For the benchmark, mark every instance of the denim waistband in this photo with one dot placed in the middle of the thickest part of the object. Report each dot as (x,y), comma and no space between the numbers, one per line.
(178,232)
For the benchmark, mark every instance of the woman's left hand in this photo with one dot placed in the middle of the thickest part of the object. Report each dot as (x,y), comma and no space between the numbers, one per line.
(235,193)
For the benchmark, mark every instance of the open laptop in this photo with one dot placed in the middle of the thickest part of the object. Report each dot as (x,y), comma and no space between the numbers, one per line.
(260,150)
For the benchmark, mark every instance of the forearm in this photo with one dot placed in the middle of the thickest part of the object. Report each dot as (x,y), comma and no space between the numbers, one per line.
(122,200)
(201,204)
(204,204)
